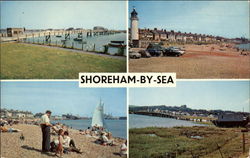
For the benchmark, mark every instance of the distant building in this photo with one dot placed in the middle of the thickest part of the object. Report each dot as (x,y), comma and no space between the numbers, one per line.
(179,36)
(231,117)
(162,34)
(99,28)
(156,35)
(57,117)
(171,35)
(79,29)
(15,114)
(70,29)
(14,31)
(19,115)
(5,113)
(184,106)
(38,115)
(145,34)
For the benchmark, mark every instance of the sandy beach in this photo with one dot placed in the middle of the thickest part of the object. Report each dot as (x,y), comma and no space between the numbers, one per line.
(199,61)
(13,147)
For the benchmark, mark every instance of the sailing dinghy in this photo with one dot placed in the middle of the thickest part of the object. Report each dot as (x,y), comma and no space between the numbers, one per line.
(98,116)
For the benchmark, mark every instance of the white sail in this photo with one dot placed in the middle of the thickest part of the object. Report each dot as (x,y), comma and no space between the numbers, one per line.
(97,119)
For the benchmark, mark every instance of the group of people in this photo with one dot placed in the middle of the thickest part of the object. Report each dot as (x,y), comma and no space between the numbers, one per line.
(8,122)
(103,138)
(10,130)
(62,144)
(3,128)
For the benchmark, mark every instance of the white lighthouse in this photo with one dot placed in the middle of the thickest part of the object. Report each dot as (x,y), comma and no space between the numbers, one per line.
(134,28)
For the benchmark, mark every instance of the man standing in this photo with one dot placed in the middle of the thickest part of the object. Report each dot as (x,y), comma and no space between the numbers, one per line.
(45,126)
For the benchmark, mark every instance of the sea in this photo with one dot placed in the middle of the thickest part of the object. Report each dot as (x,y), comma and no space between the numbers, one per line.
(141,121)
(245,46)
(118,128)
(89,43)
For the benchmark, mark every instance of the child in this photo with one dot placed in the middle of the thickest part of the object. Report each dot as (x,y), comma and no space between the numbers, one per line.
(123,149)
(59,149)
(69,143)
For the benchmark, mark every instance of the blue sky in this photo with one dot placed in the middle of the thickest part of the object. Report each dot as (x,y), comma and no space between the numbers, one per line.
(61,98)
(224,18)
(210,95)
(63,14)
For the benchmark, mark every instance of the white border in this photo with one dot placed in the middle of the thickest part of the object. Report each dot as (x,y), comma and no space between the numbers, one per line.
(77,80)
(127,89)
(127,27)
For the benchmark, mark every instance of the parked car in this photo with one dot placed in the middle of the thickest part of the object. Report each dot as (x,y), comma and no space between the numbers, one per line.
(178,49)
(144,54)
(173,52)
(134,55)
(155,49)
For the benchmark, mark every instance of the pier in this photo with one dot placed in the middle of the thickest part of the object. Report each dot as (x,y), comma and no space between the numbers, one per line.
(157,114)
(170,115)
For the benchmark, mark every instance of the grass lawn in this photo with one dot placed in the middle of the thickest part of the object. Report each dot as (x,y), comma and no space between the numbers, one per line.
(178,142)
(21,61)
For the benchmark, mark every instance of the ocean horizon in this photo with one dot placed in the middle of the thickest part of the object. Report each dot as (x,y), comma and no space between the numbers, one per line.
(118,128)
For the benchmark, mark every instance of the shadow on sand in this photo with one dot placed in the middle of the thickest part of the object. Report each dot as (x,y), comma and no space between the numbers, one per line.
(118,154)
(37,150)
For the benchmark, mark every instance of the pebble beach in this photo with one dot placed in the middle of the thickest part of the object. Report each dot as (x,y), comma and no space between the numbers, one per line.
(13,147)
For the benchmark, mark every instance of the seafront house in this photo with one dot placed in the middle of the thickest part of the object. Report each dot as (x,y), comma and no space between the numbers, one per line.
(162,34)
(199,37)
(15,114)
(179,37)
(171,36)
(11,32)
(156,35)
(146,34)
(142,37)
(195,37)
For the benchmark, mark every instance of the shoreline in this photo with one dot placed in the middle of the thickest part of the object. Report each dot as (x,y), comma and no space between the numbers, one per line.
(12,146)
(79,127)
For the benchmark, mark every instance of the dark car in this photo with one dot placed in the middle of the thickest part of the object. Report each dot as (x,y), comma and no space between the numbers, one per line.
(173,52)
(155,49)
(144,54)
(178,49)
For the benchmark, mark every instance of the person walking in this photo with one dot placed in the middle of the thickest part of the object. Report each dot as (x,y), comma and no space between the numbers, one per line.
(45,126)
